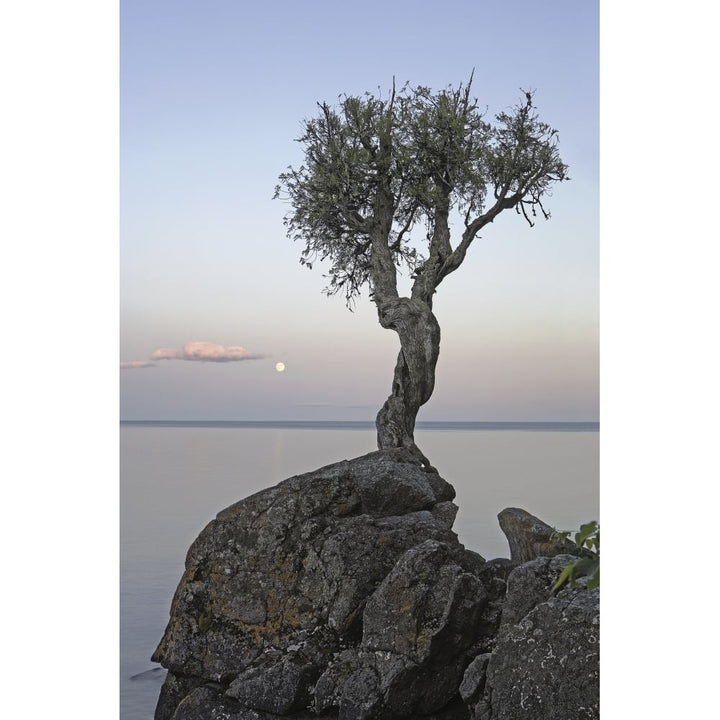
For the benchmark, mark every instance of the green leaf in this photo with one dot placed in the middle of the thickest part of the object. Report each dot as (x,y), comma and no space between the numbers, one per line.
(587,537)
(586,531)
(594,580)
(566,575)
(585,566)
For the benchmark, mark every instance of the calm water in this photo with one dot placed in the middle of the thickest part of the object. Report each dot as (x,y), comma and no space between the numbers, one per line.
(175,477)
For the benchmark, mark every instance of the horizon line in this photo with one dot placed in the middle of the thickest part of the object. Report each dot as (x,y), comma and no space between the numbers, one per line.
(368,423)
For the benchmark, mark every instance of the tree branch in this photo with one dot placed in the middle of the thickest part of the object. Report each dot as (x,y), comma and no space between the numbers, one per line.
(456,257)
(406,228)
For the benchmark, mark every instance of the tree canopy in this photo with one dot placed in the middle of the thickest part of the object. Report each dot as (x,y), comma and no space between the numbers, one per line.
(379,166)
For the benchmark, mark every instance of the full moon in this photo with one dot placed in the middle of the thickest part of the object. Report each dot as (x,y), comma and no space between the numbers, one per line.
(280,367)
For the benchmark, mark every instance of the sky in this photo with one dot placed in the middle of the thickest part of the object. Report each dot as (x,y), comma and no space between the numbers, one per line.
(212,295)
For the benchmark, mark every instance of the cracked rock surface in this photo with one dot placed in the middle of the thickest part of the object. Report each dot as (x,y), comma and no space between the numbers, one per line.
(545,665)
(345,593)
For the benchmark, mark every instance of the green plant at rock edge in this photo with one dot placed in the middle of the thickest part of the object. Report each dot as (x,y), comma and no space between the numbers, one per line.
(588,537)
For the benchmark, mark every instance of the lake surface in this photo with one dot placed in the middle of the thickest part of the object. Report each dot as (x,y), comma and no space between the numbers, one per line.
(175,477)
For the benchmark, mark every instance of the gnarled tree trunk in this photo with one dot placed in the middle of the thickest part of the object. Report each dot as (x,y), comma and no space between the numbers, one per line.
(414,379)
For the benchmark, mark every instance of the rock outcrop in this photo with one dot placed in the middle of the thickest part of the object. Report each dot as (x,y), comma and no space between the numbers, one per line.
(345,593)
(545,664)
(530,537)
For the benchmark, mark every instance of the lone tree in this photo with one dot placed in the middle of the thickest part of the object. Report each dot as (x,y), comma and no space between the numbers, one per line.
(376,168)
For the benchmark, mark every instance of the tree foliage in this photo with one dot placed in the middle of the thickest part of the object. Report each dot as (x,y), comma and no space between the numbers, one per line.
(375,167)
(588,537)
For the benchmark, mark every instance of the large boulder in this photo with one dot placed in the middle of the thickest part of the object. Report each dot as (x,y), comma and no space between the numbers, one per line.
(276,587)
(417,628)
(344,593)
(545,664)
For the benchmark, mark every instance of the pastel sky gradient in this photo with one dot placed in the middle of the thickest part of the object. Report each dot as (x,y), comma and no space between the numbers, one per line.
(212,99)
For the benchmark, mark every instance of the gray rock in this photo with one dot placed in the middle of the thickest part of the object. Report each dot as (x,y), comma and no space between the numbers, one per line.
(278,683)
(344,593)
(330,685)
(545,661)
(417,628)
(427,606)
(473,682)
(493,574)
(361,697)
(546,667)
(174,689)
(530,537)
(208,703)
(445,512)
(290,569)
(530,584)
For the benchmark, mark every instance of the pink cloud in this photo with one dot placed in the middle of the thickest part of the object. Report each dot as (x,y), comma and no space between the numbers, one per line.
(206,352)
(135,364)
(166,354)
